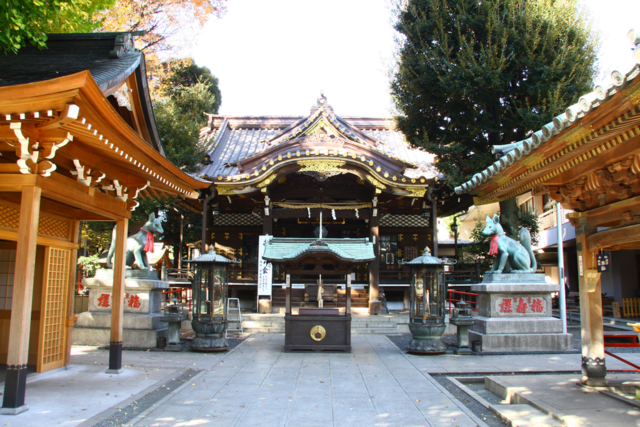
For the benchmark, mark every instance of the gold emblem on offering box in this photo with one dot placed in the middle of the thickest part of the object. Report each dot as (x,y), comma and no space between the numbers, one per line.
(318,333)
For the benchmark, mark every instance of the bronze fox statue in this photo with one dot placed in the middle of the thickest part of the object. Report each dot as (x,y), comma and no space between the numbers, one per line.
(512,257)
(139,244)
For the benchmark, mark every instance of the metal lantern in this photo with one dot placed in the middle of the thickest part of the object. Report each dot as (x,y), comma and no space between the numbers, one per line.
(209,288)
(428,297)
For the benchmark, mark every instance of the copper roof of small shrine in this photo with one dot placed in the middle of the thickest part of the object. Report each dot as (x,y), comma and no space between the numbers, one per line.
(246,149)
(285,249)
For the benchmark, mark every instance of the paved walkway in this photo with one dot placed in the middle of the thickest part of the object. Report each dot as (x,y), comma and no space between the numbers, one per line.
(256,383)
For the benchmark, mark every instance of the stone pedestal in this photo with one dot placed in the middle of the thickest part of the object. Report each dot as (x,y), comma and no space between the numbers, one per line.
(142,310)
(515,315)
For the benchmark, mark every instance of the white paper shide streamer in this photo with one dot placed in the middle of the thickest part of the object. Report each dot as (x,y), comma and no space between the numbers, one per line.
(357,216)
(309,212)
(333,214)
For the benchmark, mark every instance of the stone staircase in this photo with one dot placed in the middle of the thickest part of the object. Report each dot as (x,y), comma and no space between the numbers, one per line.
(359,299)
(361,323)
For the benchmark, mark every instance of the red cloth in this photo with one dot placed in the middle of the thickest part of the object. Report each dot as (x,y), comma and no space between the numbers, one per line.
(148,246)
(493,250)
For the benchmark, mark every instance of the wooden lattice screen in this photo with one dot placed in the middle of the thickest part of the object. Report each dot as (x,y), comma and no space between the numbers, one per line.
(51,343)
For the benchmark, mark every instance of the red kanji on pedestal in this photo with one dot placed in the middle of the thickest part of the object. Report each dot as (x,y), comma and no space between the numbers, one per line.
(134,301)
(537,306)
(505,307)
(103,300)
(522,306)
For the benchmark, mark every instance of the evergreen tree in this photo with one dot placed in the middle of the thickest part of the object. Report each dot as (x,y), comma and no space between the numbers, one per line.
(477,73)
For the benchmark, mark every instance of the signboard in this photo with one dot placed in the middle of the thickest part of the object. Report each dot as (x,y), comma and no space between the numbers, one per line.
(520,305)
(265,269)
(603,261)
(591,279)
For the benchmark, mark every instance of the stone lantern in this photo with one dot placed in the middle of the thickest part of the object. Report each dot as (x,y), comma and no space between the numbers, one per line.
(210,289)
(428,297)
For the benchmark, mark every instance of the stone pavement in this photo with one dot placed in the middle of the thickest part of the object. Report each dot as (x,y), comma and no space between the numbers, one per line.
(376,385)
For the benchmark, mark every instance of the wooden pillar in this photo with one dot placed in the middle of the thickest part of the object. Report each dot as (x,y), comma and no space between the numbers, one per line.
(374,266)
(117,298)
(594,369)
(267,219)
(287,310)
(348,292)
(16,377)
(73,276)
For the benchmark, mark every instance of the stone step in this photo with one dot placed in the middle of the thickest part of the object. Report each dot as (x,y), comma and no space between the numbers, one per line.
(374,331)
(524,416)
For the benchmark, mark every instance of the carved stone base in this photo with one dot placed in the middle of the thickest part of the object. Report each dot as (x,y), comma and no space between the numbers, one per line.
(209,343)
(418,346)
(427,339)
(209,335)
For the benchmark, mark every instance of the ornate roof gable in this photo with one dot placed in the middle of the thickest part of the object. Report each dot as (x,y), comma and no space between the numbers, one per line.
(322,125)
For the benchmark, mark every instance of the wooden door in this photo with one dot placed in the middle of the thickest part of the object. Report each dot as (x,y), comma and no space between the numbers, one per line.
(52,338)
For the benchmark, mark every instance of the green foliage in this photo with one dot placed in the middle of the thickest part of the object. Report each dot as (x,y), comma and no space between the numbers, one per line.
(188,91)
(30,20)
(96,236)
(89,264)
(477,73)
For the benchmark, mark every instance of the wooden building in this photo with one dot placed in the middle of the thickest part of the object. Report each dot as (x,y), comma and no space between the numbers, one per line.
(276,175)
(587,159)
(78,143)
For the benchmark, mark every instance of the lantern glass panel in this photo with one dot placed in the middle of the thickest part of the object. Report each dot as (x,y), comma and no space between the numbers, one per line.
(219,290)
(427,293)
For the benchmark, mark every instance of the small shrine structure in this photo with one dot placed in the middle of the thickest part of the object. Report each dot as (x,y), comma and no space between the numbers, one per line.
(78,143)
(330,262)
(587,159)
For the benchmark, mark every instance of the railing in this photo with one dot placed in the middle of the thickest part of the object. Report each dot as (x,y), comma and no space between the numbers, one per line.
(180,275)
(394,276)
(183,295)
(549,219)
(240,275)
(250,275)
(462,277)
(451,300)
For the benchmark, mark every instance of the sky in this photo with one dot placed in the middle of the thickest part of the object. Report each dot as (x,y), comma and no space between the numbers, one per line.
(274,57)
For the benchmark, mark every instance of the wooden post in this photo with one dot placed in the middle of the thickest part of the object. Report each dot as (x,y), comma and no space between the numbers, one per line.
(267,219)
(73,276)
(16,377)
(594,369)
(288,295)
(348,292)
(374,266)
(117,298)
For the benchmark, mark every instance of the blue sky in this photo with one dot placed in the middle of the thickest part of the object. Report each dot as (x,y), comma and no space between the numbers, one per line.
(274,57)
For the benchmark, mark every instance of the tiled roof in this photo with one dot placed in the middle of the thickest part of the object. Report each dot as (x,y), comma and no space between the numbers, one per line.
(511,153)
(69,54)
(232,139)
(290,249)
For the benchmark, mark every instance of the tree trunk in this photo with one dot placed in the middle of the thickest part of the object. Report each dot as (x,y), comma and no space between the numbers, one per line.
(509,217)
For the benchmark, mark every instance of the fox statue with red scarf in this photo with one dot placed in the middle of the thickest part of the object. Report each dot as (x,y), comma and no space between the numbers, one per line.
(139,244)
(513,256)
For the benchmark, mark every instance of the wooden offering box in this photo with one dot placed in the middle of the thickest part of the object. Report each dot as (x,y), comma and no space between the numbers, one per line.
(318,329)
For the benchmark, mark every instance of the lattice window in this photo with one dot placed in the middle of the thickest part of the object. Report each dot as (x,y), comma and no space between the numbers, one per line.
(7,265)
(53,227)
(9,217)
(54,306)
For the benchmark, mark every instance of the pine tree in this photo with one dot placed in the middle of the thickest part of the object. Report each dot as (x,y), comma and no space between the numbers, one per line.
(477,73)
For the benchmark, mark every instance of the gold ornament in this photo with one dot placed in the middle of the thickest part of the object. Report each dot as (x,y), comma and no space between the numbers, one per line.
(318,330)
(320,165)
